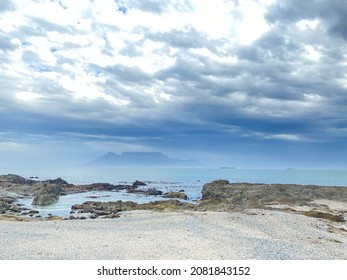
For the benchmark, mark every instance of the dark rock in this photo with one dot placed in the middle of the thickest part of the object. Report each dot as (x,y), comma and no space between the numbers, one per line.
(153,191)
(6,204)
(139,183)
(118,206)
(59,181)
(15,209)
(179,195)
(216,189)
(325,216)
(100,186)
(132,189)
(102,212)
(44,187)
(111,216)
(15,179)
(7,200)
(122,187)
(33,212)
(45,199)
(150,191)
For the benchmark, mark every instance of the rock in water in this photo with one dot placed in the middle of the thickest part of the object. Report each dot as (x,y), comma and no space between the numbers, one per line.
(45,199)
(15,179)
(179,195)
(138,183)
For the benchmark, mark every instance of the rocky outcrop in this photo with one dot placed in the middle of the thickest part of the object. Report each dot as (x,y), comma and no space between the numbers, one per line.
(256,195)
(220,195)
(15,179)
(45,199)
(149,191)
(49,188)
(59,181)
(5,204)
(107,209)
(179,195)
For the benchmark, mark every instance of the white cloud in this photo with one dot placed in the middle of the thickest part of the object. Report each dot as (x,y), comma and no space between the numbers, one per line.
(287,137)
(13,146)
(312,53)
(252,24)
(307,24)
(27,96)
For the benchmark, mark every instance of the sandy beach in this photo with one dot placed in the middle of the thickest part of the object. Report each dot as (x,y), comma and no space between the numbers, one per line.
(252,234)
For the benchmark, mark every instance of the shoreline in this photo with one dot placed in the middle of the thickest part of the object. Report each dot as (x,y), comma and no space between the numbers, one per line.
(231,221)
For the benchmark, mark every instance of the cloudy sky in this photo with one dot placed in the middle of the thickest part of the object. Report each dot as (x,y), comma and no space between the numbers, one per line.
(251,83)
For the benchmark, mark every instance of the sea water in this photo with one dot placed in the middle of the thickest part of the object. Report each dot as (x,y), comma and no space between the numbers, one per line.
(191,180)
(115,175)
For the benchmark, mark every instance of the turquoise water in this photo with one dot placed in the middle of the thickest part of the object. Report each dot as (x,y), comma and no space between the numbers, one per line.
(190,180)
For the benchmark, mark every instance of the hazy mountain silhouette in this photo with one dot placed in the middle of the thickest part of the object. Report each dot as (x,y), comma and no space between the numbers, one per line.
(140,159)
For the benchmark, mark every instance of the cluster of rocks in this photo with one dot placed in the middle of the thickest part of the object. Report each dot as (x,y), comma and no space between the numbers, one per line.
(257,195)
(220,195)
(94,210)
(6,204)
(49,191)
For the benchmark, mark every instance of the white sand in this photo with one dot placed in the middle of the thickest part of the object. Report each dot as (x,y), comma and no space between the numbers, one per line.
(255,234)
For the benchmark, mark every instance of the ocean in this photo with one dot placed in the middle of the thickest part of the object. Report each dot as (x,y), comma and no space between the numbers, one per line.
(191,180)
(115,175)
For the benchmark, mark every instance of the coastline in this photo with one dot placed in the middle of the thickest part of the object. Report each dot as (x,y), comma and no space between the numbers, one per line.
(231,221)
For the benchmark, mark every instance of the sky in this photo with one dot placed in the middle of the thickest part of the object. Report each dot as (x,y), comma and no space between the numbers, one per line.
(249,84)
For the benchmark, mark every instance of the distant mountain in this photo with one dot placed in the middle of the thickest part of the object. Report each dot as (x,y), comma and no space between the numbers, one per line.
(141,159)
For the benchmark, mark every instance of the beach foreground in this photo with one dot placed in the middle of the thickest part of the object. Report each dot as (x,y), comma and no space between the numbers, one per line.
(250,234)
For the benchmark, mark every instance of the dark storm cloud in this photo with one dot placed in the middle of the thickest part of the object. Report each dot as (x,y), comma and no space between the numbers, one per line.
(125,74)
(5,43)
(332,13)
(176,88)
(6,5)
